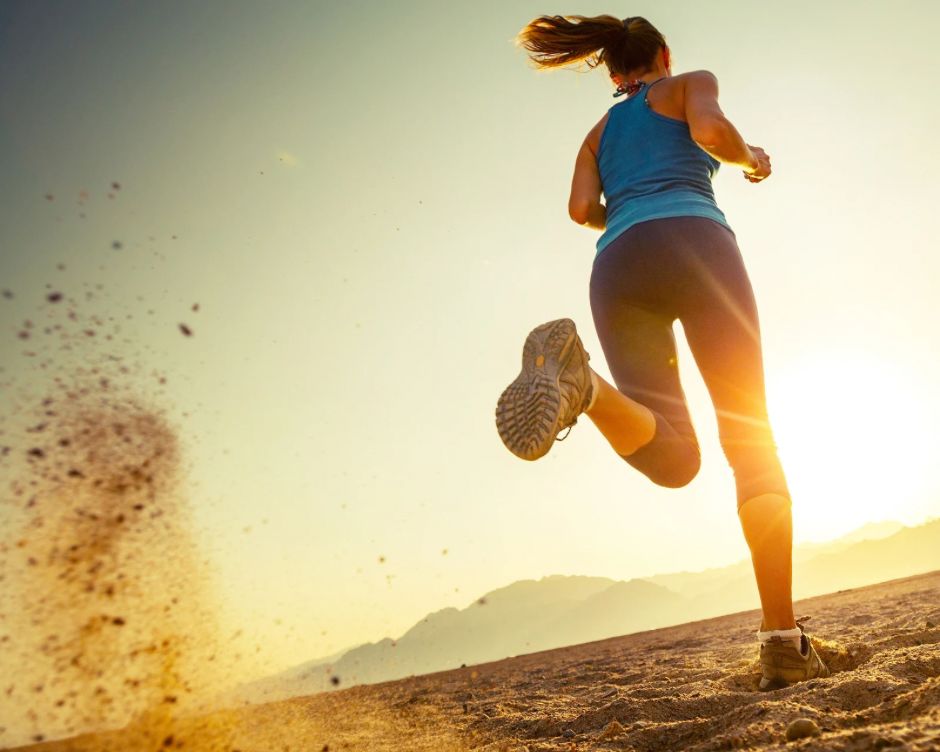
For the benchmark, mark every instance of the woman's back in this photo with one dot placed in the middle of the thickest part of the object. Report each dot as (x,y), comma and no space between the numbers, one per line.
(649,165)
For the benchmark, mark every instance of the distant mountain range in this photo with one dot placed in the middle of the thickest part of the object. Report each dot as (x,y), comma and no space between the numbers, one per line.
(558,610)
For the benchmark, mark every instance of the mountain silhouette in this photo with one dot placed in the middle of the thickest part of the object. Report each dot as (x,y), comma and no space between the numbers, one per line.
(559,610)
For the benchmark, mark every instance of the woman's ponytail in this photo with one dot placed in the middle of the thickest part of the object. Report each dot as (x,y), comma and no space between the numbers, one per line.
(624,45)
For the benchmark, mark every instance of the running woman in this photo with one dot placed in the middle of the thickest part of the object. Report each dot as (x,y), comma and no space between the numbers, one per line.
(666,252)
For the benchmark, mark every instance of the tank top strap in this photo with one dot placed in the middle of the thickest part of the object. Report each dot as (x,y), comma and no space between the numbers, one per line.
(646,90)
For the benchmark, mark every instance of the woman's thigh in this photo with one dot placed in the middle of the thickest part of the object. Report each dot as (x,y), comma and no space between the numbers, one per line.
(719,318)
(721,326)
(640,349)
(634,321)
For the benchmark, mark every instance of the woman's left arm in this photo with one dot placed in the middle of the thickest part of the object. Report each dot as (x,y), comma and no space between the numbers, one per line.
(584,205)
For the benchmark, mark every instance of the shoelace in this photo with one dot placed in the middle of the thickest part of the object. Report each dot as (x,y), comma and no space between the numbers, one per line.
(571,425)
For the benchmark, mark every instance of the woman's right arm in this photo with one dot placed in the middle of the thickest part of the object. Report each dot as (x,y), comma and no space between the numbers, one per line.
(712,131)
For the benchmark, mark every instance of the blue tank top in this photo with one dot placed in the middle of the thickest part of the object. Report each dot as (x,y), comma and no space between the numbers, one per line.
(651,168)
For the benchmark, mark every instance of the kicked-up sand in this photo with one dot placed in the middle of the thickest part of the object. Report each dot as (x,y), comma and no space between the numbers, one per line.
(688,687)
(107,610)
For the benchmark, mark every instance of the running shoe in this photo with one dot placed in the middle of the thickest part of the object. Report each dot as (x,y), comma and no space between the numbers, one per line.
(552,390)
(782,664)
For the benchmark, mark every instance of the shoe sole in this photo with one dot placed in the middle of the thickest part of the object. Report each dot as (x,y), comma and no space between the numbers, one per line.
(528,410)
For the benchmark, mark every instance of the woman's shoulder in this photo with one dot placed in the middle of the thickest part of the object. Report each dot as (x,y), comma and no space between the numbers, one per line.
(669,96)
(697,79)
(696,75)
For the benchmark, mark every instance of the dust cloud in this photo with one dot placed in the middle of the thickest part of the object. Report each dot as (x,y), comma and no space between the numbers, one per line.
(106,607)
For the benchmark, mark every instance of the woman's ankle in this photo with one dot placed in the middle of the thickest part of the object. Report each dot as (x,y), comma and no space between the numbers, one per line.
(595,389)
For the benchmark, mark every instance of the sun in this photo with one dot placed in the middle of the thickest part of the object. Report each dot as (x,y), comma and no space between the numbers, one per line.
(854,439)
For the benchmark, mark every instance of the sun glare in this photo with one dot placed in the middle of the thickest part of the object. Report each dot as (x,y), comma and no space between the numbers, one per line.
(854,440)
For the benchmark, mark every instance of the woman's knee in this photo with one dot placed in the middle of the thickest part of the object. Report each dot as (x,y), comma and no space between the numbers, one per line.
(680,473)
(672,457)
(672,469)
(757,470)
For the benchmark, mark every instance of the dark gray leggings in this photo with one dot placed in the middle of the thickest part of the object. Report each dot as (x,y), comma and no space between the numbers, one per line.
(687,268)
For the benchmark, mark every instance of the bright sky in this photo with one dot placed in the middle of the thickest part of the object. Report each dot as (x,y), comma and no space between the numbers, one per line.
(369,204)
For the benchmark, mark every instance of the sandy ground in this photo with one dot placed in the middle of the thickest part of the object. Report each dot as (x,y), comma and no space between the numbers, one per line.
(689,687)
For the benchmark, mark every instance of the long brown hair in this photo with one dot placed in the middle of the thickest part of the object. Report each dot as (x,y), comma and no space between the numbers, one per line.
(623,45)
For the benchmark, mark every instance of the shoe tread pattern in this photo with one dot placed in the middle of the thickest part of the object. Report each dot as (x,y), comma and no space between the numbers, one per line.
(533,408)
